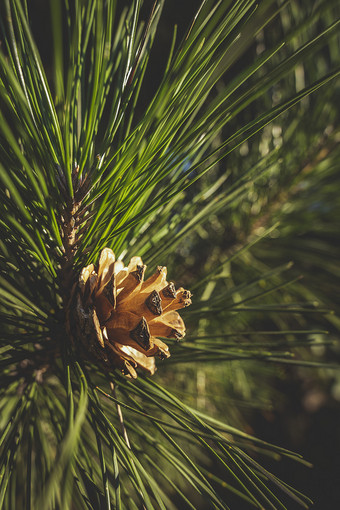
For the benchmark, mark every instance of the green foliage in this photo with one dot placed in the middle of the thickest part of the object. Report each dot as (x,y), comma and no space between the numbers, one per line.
(216,178)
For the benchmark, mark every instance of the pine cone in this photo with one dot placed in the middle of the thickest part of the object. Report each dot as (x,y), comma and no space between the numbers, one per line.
(118,315)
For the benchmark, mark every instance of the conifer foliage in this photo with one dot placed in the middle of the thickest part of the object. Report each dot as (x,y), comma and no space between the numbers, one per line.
(91,174)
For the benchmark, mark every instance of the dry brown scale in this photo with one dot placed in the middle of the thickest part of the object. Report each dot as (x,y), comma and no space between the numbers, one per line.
(119,316)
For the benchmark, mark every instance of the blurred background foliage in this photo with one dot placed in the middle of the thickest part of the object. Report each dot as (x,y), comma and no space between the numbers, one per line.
(256,240)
